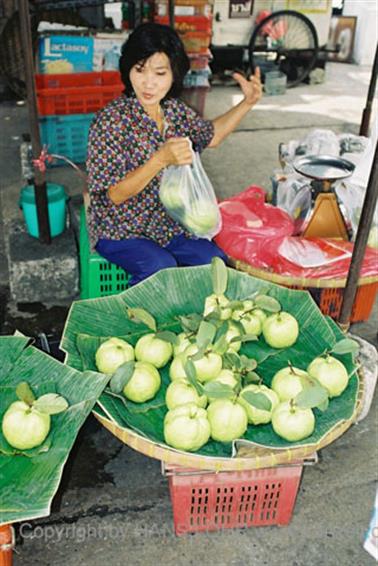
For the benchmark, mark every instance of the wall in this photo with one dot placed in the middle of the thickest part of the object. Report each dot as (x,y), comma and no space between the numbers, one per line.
(365,42)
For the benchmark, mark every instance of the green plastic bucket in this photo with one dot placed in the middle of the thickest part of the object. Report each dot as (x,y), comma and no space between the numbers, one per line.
(56,203)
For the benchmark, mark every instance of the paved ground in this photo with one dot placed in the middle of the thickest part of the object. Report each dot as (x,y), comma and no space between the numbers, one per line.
(113,505)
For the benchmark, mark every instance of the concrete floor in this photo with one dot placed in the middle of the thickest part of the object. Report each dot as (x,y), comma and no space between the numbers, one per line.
(113,505)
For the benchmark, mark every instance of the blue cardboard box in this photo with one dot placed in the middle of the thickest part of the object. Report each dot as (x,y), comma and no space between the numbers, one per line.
(65,54)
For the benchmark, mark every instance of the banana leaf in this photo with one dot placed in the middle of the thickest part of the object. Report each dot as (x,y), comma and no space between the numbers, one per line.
(29,479)
(182,291)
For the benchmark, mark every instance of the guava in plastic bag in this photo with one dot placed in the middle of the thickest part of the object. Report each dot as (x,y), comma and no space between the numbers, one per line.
(189,198)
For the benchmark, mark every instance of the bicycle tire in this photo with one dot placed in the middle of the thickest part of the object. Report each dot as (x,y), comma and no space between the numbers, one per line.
(293,42)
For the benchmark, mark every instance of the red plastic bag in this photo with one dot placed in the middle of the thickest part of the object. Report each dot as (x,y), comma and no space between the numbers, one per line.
(252,229)
(262,236)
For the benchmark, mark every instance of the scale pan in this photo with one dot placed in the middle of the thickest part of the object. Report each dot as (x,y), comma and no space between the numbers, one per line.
(324,167)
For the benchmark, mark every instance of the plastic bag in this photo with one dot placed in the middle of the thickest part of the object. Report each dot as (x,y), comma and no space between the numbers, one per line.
(252,229)
(351,192)
(306,253)
(293,194)
(260,234)
(188,196)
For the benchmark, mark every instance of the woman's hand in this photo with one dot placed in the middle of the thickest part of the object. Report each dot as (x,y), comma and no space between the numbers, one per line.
(251,87)
(176,151)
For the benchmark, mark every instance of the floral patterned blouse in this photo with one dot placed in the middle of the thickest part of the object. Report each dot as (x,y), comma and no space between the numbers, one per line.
(123,137)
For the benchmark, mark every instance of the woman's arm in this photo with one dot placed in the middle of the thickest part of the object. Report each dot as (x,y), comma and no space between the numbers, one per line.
(175,151)
(225,124)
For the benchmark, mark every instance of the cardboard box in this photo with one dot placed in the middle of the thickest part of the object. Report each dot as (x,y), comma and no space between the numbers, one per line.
(65,54)
(107,51)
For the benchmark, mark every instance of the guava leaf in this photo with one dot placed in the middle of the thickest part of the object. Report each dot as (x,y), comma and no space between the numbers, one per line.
(218,390)
(235,305)
(251,377)
(247,363)
(258,400)
(248,338)
(219,276)
(190,322)
(191,374)
(267,303)
(205,334)
(231,360)
(214,315)
(221,331)
(221,346)
(346,346)
(235,339)
(238,325)
(122,376)
(168,336)
(51,404)
(198,355)
(312,396)
(141,316)
(24,393)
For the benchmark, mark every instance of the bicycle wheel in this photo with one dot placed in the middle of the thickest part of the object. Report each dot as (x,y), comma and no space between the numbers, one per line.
(287,41)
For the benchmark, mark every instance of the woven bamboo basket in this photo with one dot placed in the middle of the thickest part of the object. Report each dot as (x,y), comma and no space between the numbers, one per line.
(248,456)
(327,293)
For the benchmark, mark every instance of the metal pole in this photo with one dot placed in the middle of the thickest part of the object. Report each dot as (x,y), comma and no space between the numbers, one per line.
(39,178)
(171,11)
(364,225)
(364,128)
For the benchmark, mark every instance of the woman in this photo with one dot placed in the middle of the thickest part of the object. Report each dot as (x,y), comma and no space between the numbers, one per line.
(133,139)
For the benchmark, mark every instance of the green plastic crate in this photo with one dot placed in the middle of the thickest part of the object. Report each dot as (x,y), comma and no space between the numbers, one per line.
(98,277)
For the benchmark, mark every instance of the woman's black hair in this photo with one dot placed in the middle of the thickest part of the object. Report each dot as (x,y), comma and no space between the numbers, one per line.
(146,40)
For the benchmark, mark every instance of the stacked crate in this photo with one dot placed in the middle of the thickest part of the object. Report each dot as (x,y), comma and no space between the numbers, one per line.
(75,81)
(66,106)
(193,23)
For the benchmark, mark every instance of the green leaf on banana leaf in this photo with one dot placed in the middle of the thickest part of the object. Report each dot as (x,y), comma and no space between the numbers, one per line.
(346,346)
(141,316)
(266,303)
(257,400)
(122,376)
(218,390)
(219,276)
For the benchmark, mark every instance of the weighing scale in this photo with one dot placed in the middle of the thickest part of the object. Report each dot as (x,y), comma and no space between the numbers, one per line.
(325,220)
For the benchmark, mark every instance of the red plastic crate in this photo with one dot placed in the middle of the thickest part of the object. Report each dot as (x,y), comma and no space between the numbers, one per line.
(77,93)
(210,501)
(330,300)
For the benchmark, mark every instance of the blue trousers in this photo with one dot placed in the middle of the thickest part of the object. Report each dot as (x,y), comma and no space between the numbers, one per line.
(141,257)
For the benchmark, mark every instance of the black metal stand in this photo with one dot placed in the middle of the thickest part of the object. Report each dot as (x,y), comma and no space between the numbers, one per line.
(367,214)
(39,179)
(364,128)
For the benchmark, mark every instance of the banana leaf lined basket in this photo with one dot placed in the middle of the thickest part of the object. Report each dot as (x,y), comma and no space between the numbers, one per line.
(30,478)
(182,291)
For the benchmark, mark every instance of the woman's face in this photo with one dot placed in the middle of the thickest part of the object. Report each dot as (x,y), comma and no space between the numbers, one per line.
(152,79)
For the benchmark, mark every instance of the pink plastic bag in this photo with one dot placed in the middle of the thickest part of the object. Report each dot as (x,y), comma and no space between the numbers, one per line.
(261,235)
(252,229)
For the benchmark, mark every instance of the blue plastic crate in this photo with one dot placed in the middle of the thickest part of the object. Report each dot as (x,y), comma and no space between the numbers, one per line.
(66,135)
